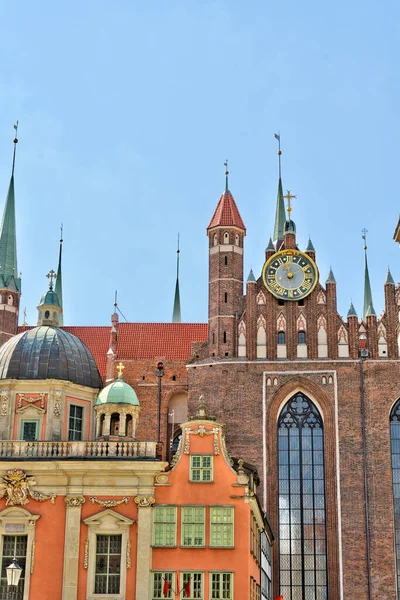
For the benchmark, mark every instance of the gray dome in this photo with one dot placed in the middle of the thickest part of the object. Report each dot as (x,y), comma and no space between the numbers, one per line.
(48,353)
(49,297)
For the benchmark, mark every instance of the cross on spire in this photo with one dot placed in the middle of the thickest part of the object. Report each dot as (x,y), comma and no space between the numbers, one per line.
(289,197)
(364,237)
(120,368)
(226,174)
(52,275)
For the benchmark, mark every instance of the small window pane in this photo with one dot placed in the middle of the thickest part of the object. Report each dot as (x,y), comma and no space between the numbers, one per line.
(201,468)
(108,564)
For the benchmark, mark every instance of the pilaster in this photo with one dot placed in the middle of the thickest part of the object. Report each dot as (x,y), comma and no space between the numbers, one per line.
(144,546)
(71,546)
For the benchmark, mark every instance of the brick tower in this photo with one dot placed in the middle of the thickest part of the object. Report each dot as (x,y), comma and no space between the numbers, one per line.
(226,233)
(10,282)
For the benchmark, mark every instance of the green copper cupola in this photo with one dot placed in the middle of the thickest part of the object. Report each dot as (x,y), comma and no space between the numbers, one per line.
(49,306)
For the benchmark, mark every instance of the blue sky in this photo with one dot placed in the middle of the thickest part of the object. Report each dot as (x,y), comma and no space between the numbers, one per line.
(128,109)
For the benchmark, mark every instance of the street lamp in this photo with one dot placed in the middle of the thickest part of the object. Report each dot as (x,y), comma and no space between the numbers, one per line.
(14,572)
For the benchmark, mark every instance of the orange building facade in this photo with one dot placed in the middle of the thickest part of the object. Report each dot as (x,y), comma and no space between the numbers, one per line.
(107,520)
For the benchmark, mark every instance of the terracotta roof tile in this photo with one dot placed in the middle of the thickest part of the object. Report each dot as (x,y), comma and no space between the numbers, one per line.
(172,341)
(227,213)
(169,340)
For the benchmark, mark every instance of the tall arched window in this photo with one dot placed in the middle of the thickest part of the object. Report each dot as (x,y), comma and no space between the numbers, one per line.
(395,445)
(302,519)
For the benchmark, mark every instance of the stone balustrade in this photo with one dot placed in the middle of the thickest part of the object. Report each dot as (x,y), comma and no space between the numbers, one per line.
(74,450)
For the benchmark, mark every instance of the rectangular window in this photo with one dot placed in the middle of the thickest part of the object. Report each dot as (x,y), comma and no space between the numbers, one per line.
(221,586)
(201,468)
(164,530)
(192,586)
(29,430)
(193,526)
(13,546)
(108,564)
(163,582)
(75,425)
(221,526)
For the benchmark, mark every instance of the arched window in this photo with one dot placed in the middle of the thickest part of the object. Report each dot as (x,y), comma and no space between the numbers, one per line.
(226,237)
(281,337)
(215,239)
(302,519)
(301,337)
(395,445)
(237,240)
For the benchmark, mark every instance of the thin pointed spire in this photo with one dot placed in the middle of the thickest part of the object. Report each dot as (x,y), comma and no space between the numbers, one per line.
(280,215)
(226,176)
(367,283)
(389,278)
(176,315)
(8,236)
(58,286)
(270,245)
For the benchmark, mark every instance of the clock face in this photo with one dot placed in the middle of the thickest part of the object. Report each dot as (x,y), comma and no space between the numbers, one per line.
(290,275)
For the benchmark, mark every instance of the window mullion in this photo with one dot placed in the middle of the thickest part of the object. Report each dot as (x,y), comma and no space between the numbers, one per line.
(300,425)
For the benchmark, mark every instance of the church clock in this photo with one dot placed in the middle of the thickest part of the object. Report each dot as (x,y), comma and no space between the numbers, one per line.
(290,275)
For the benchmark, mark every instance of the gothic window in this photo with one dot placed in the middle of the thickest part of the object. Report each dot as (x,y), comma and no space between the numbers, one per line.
(281,337)
(301,337)
(226,237)
(261,298)
(395,445)
(302,518)
(10,301)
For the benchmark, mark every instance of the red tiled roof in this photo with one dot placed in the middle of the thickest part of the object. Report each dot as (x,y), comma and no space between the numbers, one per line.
(172,341)
(227,213)
(169,340)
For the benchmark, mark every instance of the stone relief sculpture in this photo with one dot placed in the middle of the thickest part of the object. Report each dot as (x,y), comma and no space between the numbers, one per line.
(17,487)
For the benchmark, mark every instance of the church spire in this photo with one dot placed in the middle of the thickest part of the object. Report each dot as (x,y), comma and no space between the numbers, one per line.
(280,216)
(58,286)
(176,315)
(367,283)
(8,237)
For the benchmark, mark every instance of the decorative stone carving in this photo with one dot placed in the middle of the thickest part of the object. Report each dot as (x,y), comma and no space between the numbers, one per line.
(161,479)
(109,503)
(17,487)
(74,501)
(33,556)
(225,452)
(144,501)
(242,478)
(57,403)
(3,403)
(201,431)
(86,555)
(128,554)
(31,399)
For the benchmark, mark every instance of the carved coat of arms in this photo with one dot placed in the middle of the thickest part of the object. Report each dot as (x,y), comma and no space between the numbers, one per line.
(17,487)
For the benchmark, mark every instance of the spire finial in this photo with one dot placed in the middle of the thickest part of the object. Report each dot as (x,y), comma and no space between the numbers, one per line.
(367,283)
(278,137)
(176,313)
(289,197)
(120,368)
(15,146)
(58,286)
(61,233)
(364,237)
(115,300)
(226,175)
(51,275)
(24,323)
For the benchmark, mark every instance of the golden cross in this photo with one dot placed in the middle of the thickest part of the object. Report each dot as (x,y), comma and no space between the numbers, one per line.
(52,275)
(120,368)
(289,197)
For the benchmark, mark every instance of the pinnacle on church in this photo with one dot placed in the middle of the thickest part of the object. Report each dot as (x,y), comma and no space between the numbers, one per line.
(8,236)
(371,311)
(389,278)
(176,314)
(310,247)
(352,311)
(280,214)
(270,245)
(367,283)
(331,277)
(58,286)
(251,276)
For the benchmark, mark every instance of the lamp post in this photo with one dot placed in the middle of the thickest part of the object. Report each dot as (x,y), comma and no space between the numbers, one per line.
(160,374)
(14,572)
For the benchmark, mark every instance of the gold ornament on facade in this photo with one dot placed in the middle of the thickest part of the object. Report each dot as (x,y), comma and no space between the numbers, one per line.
(31,399)
(86,555)
(4,403)
(128,554)
(17,488)
(74,501)
(57,404)
(144,501)
(201,431)
(108,503)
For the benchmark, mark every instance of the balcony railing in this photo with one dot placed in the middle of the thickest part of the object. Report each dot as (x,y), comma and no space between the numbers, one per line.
(75,450)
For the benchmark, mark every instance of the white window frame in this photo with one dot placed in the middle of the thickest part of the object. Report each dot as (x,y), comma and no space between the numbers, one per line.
(107,522)
(19,521)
